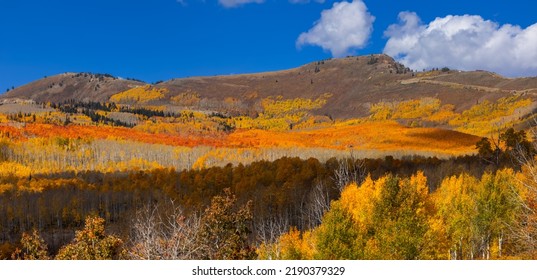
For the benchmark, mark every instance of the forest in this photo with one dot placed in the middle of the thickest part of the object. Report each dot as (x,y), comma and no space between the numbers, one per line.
(415,179)
(470,207)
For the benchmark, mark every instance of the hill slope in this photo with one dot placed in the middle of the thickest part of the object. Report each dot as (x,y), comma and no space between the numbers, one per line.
(353,84)
(72,86)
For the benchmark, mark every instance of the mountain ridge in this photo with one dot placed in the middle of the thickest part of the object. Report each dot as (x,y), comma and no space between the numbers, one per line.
(353,83)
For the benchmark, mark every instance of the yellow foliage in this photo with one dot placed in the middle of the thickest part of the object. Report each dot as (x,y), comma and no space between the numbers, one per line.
(444,115)
(188,98)
(55,117)
(457,208)
(381,111)
(277,124)
(436,241)
(133,164)
(14,169)
(81,119)
(418,183)
(485,118)
(410,109)
(268,251)
(358,200)
(480,119)
(281,114)
(277,107)
(6,187)
(388,220)
(294,246)
(314,122)
(416,108)
(476,213)
(139,95)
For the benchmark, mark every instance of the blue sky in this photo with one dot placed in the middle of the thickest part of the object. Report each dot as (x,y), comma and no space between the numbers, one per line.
(164,39)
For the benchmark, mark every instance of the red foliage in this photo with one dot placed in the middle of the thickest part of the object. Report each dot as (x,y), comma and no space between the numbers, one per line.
(108,132)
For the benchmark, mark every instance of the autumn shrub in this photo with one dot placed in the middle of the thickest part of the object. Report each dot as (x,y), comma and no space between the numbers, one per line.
(92,243)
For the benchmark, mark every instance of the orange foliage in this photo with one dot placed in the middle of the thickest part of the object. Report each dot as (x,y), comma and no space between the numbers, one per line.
(382,136)
(386,136)
(109,132)
(11,132)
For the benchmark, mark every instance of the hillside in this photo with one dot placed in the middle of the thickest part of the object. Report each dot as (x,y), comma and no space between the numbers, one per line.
(353,84)
(290,146)
(75,86)
(371,106)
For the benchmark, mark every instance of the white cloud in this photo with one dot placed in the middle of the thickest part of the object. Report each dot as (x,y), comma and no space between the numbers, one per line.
(236,3)
(344,27)
(463,42)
